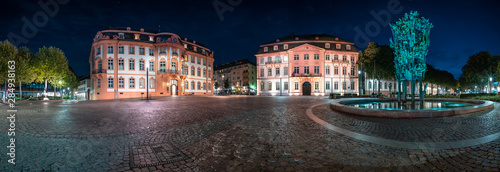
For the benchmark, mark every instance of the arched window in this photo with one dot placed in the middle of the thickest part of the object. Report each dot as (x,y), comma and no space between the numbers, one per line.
(261,86)
(162,66)
(121,83)
(199,86)
(142,83)
(192,70)
(192,85)
(152,83)
(132,83)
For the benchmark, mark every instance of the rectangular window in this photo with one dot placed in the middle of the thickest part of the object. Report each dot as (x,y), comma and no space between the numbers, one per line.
(131,64)
(296,85)
(327,70)
(277,86)
(151,66)
(338,46)
(306,56)
(192,86)
(120,64)
(98,50)
(198,60)
(141,65)
(141,83)
(269,86)
(352,59)
(141,51)
(343,70)
(152,83)
(327,57)
(336,70)
(120,49)
(285,71)
(98,83)
(131,50)
(306,69)
(199,72)
(336,86)
(163,50)
(343,85)
(261,60)
(110,63)
(204,62)
(352,85)
(327,86)
(316,69)
(277,71)
(110,49)
(285,87)
(192,59)
(186,87)
(296,70)
(316,85)
(316,56)
(151,52)
(352,71)
(296,57)
(261,72)
(121,83)
(110,82)
(269,72)
(336,57)
(132,83)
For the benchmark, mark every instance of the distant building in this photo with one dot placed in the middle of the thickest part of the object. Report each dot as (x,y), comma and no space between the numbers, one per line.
(240,75)
(316,64)
(83,90)
(125,61)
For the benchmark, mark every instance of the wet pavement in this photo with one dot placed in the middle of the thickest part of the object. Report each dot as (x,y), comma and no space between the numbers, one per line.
(232,133)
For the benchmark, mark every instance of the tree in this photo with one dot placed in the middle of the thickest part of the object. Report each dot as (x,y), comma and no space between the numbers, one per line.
(50,65)
(8,52)
(226,84)
(478,69)
(378,61)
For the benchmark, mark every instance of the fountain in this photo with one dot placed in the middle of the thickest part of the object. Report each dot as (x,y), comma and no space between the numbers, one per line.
(410,42)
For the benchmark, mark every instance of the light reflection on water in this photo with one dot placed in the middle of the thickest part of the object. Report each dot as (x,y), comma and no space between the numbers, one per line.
(408,106)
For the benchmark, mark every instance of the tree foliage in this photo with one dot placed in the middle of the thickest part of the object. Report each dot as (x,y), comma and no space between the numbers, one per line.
(23,59)
(440,77)
(479,68)
(51,65)
(378,61)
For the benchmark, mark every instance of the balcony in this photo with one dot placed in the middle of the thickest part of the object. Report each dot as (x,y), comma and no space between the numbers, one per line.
(97,71)
(307,75)
(341,61)
(273,62)
(164,71)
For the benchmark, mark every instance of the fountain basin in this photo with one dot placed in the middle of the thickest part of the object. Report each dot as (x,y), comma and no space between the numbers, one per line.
(432,107)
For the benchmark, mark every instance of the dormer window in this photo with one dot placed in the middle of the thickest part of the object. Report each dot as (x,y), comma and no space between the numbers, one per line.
(120,35)
(151,38)
(317,38)
(185,46)
(285,46)
(338,46)
(296,38)
(194,48)
(97,37)
(275,48)
(348,47)
(327,45)
(203,51)
(136,36)
(265,49)
(277,40)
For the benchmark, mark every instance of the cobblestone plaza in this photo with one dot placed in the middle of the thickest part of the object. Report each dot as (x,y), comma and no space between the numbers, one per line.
(244,133)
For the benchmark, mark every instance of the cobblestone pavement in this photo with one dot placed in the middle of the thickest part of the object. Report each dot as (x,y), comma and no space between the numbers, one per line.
(236,134)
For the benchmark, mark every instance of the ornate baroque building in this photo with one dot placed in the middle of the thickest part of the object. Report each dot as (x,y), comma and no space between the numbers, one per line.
(316,64)
(125,61)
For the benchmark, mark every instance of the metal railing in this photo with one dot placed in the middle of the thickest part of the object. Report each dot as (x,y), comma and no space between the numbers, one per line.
(341,61)
(307,75)
(273,62)
(96,71)
(164,71)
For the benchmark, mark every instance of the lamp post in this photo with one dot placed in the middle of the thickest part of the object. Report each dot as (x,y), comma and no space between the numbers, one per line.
(56,89)
(147,83)
(489,85)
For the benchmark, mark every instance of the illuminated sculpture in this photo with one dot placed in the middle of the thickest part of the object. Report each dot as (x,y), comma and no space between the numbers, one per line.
(410,42)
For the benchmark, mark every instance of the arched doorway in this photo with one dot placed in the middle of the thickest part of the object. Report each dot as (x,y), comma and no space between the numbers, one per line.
(306,89)
(173,87)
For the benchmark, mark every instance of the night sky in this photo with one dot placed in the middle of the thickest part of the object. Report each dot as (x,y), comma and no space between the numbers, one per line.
(461,28)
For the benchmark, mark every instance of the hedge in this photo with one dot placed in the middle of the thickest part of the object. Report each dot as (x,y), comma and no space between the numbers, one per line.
(467,96)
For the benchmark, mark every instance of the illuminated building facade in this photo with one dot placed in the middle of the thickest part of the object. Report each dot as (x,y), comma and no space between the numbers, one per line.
(316,64)
(127,63)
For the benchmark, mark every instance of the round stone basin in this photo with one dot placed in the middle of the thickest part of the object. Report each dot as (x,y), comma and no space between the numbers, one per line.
(389,108)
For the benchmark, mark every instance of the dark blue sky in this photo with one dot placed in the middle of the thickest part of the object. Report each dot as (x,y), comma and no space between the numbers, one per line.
(461,28)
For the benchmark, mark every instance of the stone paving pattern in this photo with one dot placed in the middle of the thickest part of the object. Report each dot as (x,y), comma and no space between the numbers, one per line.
(234,134)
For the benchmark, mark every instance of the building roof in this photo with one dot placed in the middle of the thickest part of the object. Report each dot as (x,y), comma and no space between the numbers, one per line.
(83,77)
(235,63)
(319,42)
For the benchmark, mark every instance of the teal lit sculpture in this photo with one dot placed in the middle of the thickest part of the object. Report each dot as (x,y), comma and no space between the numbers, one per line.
(410,42)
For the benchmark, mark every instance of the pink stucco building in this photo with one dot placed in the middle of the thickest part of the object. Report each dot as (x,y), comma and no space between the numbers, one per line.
(316,64)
